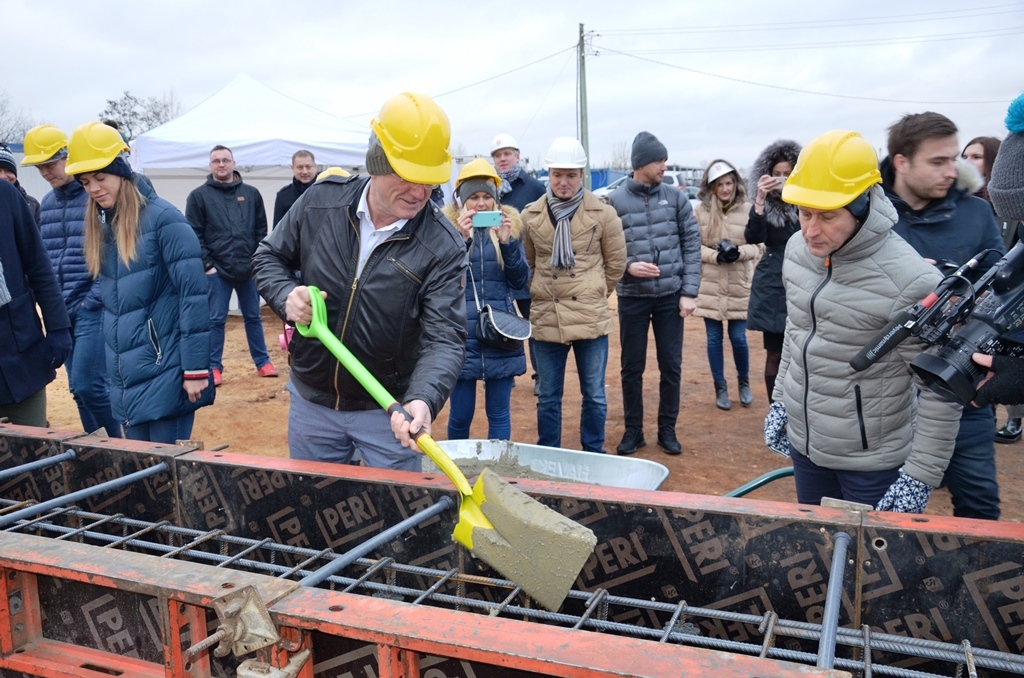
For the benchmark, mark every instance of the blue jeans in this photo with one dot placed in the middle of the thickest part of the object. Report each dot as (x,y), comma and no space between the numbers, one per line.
(971,474)
(814,482)
(740,353)
(249,303)
(165,431)
(497,395)
(87,374)
(591,361)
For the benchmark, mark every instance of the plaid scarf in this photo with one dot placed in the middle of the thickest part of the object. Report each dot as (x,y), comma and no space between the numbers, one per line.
(507,177)
(562,255)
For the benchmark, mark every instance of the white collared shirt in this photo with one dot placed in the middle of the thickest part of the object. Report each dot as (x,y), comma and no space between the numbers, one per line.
(369,235)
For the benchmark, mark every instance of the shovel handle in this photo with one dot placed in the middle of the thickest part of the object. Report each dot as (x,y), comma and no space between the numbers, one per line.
(318,329)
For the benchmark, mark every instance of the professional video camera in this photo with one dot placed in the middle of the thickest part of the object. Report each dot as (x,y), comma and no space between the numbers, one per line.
(961,317)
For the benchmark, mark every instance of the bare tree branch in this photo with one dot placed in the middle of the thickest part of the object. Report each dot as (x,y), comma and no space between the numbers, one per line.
(135,115)
(620,159)
(13,122)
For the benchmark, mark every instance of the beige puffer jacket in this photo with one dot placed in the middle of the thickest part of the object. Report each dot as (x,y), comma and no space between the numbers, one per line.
(860,421)
(572,305)
(725,288)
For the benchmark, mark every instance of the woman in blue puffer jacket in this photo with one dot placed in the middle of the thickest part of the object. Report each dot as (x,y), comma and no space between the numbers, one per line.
(498,264)
(156,320)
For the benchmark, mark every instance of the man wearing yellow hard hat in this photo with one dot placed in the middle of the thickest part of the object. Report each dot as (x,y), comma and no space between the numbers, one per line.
(860,436)
(391,269)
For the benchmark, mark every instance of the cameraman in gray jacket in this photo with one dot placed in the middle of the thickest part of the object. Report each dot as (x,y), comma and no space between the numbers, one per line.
(867,436)
(659,288)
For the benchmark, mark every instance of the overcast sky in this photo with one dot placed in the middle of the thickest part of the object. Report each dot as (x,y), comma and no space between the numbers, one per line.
(709,79)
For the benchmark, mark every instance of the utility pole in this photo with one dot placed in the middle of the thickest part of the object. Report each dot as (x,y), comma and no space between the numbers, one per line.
(581,50)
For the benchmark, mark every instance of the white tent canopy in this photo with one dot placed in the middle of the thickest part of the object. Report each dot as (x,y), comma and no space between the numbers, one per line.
(260,125)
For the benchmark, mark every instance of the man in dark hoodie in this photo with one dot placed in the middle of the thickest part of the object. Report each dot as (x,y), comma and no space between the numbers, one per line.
(228,217)
(304,174)
(946,224)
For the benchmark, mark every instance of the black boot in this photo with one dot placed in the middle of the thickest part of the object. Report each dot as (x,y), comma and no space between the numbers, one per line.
(632,441)
(1010,432)
(722,396)
(668,441)
(746,397)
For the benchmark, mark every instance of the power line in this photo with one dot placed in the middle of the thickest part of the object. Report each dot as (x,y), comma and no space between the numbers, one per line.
(799,91)
(480,82)
(954,14)
(908,40)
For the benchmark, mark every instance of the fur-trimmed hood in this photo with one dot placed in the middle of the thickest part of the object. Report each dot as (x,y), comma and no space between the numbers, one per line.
(968,178)
(451,211)
(777,212)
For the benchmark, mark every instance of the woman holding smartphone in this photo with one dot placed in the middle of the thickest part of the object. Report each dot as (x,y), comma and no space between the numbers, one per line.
(497,264)
(156,318)
(771,222)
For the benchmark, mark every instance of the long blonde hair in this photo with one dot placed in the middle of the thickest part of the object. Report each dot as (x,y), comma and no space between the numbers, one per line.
(715,208)
(125,227)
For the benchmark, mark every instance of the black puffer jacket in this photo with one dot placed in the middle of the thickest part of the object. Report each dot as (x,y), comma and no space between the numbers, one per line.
(230,221)
(660,228)
(404,317)
(766,311)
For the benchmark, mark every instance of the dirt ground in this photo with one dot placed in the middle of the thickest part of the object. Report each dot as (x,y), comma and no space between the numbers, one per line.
(721,449)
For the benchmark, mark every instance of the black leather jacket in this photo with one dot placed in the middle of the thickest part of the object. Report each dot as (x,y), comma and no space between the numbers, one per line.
(404,318)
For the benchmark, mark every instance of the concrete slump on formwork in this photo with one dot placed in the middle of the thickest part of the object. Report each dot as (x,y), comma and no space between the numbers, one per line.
(537,548)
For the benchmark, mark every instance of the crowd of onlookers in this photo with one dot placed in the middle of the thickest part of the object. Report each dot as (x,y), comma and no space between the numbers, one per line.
(817,249)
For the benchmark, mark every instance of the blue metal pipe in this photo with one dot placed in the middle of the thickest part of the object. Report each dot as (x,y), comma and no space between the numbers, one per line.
(352,555)
(39,463)
(833,599)
(75,497)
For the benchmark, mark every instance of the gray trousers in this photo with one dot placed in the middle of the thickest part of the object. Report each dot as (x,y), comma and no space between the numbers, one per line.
(1014,411)
(318,433)
(29,412)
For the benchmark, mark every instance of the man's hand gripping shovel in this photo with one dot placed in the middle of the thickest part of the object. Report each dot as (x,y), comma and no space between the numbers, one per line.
(539,549)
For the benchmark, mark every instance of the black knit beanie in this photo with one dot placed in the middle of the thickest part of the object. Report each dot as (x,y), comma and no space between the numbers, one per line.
(647,149)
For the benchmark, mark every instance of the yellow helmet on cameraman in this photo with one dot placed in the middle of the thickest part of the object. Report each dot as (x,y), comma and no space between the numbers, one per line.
(414,133)
(832,171)
(332,172)
(478,168)
(93,146)
(41,144)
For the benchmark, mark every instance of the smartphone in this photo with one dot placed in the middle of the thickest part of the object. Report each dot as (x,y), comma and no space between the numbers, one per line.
(780,182)
(487,219)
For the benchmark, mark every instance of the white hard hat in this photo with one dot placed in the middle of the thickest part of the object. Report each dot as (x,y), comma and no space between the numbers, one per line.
(565,153)
(503,141)
(719,169)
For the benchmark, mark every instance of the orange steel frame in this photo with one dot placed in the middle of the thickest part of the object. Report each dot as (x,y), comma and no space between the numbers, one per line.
(403,634)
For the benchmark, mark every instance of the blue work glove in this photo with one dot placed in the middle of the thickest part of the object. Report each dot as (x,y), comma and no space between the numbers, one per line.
(906,495)
(58,344)
(775,436)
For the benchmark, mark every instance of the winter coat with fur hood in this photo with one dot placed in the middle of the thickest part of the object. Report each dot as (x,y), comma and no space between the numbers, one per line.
(569,305)
(766,311)
(860,421)
(494,281)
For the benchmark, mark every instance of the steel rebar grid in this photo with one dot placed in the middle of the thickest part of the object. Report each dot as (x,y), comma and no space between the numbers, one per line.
(945,652)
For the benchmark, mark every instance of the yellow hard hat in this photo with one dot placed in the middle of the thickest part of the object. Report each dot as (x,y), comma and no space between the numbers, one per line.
(41,144)
(414,133)
(332,172)
(478,168)
(93,146)
(832,171)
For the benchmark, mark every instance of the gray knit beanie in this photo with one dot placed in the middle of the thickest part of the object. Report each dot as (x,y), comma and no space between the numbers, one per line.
(647,149)
(376,161)
(1006,186)
(475,185)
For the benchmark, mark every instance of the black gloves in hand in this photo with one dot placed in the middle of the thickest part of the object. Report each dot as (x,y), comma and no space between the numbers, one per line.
(727,251)
(1006,387)
(58,344)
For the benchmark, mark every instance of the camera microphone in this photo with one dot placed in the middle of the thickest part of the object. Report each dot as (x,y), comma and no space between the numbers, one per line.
(884,341)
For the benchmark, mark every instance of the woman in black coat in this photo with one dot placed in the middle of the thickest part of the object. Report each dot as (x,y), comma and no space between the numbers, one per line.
(771,222)
(28,359)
